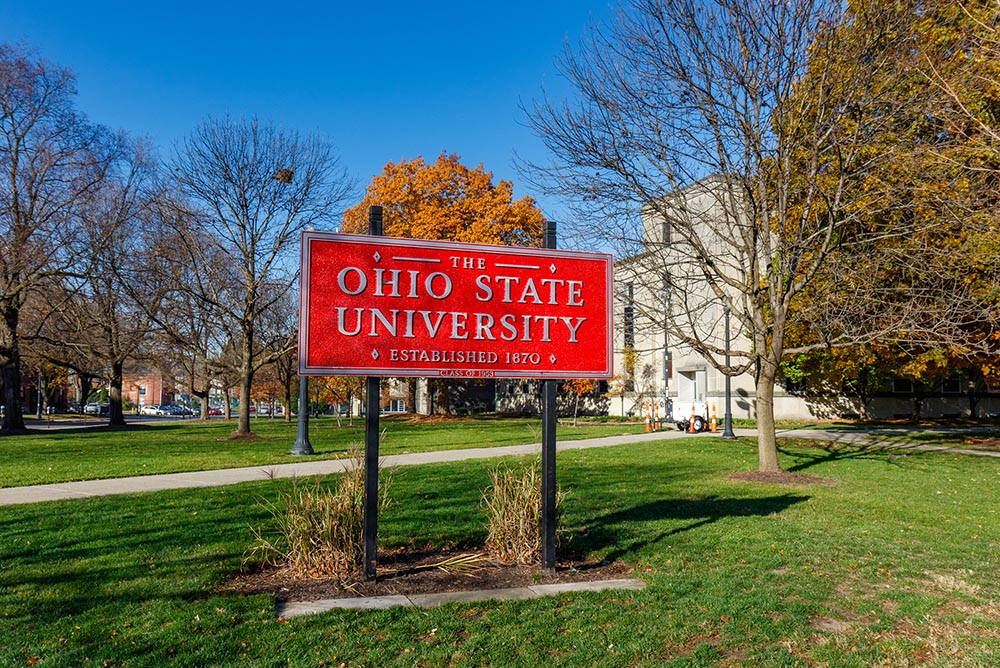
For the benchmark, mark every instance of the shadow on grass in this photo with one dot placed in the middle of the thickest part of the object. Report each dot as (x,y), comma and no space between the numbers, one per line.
(817,453)
(621,531)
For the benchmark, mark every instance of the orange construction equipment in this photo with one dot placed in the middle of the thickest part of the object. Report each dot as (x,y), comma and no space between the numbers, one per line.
(715,421)
(691,428)
(649,427)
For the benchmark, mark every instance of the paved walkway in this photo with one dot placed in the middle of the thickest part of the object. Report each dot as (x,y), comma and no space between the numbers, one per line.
(308,467)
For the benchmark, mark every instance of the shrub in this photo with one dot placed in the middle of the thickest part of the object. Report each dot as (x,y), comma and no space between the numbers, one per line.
(318,529)
(513,505)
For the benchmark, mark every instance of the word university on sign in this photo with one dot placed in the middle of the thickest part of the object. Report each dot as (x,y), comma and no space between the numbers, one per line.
(383,306)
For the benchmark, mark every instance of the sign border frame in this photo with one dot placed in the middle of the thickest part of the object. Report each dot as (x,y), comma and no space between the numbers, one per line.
(364,239)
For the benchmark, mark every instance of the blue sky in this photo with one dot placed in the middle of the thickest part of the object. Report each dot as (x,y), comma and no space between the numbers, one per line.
(382,80)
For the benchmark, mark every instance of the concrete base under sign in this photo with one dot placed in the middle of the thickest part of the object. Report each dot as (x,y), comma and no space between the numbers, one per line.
(298,608)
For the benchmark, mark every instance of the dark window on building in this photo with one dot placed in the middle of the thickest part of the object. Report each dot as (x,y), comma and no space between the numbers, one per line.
(796,386)
(628,319)
(951,386)
(902,386)
(665,231)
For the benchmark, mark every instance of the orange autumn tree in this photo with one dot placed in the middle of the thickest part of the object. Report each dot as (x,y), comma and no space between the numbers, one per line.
(580,387)
(447,200)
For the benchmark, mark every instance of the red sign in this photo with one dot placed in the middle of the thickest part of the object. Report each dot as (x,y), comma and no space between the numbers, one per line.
(383,306)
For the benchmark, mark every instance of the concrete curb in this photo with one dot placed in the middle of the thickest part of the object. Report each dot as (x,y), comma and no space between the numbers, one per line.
(300,608)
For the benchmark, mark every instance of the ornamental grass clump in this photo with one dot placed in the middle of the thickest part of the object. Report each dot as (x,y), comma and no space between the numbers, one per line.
(513,504)
(317,528)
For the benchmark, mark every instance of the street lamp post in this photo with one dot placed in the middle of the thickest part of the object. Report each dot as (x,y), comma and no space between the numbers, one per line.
(727,432)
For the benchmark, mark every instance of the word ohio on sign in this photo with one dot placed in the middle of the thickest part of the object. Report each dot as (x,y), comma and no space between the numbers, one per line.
(382,306)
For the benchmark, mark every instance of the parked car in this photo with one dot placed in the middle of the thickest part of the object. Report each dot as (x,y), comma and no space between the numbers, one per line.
(214,410)
(97,409)
(151,409)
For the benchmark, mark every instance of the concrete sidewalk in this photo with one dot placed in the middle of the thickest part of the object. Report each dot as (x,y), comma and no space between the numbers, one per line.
(305,468)
(308,467)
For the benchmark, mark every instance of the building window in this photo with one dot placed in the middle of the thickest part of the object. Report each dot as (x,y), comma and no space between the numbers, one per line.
(951,385)
(796,386)
(665,231)
(628,319)
(902,386)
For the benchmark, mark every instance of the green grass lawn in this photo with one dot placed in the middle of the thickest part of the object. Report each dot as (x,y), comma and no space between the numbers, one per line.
(61,455)
(893,564)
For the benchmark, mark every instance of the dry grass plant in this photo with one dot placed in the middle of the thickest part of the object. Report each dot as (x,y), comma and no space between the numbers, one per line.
(317,528)
(513,505)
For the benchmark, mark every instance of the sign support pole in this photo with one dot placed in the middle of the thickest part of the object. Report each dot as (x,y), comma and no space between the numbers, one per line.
(549,450)
(371,439)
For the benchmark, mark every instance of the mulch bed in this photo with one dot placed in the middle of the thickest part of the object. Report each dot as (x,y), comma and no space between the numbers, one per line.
(414,572)
(781,478)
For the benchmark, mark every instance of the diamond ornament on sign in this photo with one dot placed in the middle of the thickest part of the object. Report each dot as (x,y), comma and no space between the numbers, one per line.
(375,355)
(377,256)
(552,358)
(552,268)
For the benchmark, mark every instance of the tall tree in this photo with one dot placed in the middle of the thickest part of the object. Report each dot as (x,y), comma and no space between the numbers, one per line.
(447,200)
(925,287)
(101,310)
(254,188)
(50,159)
(718,145)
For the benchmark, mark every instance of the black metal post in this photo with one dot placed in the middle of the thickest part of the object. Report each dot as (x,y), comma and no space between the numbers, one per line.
(549,450)
(370,530)
(727,432)
(302,445)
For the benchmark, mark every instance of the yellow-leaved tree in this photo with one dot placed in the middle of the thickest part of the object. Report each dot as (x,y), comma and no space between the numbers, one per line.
(446,200)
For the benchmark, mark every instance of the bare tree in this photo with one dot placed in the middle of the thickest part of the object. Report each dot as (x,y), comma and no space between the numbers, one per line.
(255,188)
(50,158)
(99,311)
(719,147)
(194,333)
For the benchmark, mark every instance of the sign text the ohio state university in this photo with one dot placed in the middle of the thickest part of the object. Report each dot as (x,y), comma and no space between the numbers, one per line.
(383,306)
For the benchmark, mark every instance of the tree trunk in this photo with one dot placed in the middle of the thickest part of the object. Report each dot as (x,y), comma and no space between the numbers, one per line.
(288,399)
(411,395)
(117,417)
(202,402)
(84,388)
(767,446)
(10,370)
(246,386)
